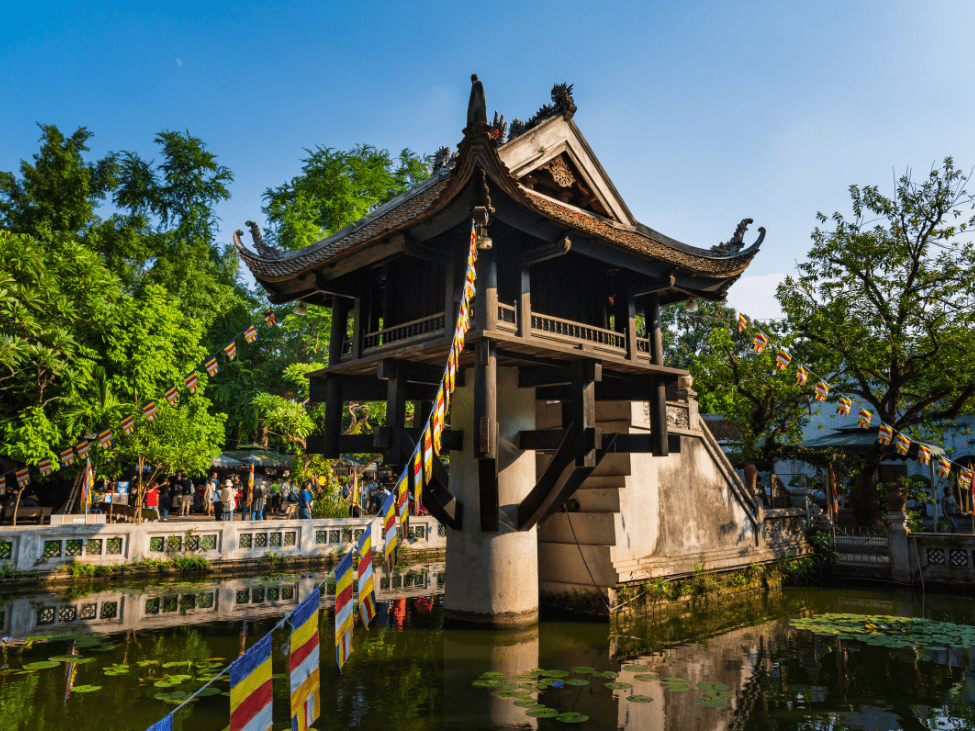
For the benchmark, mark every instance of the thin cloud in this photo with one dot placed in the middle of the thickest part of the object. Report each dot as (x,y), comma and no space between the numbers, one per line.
(178,62)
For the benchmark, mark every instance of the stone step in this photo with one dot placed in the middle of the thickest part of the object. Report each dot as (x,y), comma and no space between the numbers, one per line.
(604,482)
(598,500)
(595,529)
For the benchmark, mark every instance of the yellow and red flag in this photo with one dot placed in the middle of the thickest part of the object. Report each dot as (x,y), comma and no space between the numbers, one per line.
(82,449)
(367,589)
(802,375)
(742,322)
(343,610)
(172,396)
(230,349)
(45,467)
(250,334)
(822,390)
(23,478)
(403,501)
(924,453)
(438,417)
(428,453)
(212,366)
(760,342)
(303,663)
(105,439)
(149,410)
(944,467)
(885,434)
(251,690)
(191,382)
(863,419)
(389,529)
(269,317)
(67,457)
(782,359)
(903,445)
(843,406)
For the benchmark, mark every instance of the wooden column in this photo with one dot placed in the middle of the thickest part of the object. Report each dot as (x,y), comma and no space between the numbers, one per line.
(486,311)
(333,418)
(396,387)
(453,289)
(627,313)
(583,410)
(389,296)
(525,302)
(358,314)
(486,431)
(340,321)
(658,386)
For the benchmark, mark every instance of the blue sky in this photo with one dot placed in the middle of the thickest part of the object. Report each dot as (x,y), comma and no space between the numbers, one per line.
(702,114)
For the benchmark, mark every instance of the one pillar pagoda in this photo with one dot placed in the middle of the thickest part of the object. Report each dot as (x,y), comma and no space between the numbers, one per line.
(565,277)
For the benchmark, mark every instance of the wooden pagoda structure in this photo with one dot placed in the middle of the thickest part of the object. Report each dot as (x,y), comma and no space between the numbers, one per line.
(563,275)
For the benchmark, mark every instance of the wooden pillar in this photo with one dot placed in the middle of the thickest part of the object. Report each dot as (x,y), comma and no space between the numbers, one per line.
(340,322)
(358,315)
(334,406)
(486,431)
(525,302)
(583,410)
(453,288)
(389,296)
(627,313)
(658,386)
(486,311)
(395,412)
(421,412)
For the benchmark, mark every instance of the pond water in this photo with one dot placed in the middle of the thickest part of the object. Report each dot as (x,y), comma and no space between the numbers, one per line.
(741,665)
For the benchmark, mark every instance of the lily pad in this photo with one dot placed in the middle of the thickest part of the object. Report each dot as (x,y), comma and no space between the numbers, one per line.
(712,685)
(647,676)
(571,717)
(527,703)
(176,695)
(639,698)
(86,688)
(491,683)
(176,664)
(507,694)
(496,676)
(533,687)
(554,673)
(711,702)
(608,674)
(677,688)
(208,691)
(542,712)
(41,665)
(583,670)
(618,686)
(147,663)
(576,681)
(637,669)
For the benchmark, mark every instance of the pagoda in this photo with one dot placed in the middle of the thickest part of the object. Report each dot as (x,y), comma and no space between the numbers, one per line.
(565,277)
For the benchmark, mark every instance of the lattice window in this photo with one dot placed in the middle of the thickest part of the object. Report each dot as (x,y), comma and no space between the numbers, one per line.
(287,592)
(156,544)
(192,543)
(6,550)
(441,578)
(152,605)
(408,580)
(290,538)
(246,540)
(397,581)
(52,549)
(242,596)
(46,615)
(189,601)
(442,531)
(109,610)
(275,540)
(330,589)
(174,543)
(334,536)
(257,595)
(93,547)
(384,582)
(357,535)
(89,611)
(209,542)
(346,535)
(273,594)
(205,600)
(113,546)
(68,614)
(321,537)
(958,557)
(72,547)
(170,603)
(260,540)
(936,556)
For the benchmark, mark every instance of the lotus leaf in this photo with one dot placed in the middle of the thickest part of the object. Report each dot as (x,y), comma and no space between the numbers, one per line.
(712,702)
(646,676)
(507,694)
(147,663)
(583,670)
(486,683)
(486,676)
(542,712)
(176,664)
(639,698)
(618,686)
(571,717)
(86,688)
(41,665)
(576,681)
(637,669)
(207,691)
(70,658)
(555,673)
(608,674)
(711,685)
(176,695)
(528,703)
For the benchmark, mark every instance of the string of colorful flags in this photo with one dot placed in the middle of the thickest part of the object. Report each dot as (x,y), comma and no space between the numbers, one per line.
(886,433)
(66,458)
(251,680)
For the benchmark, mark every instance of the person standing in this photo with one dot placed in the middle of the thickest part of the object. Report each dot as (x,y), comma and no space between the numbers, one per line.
(165,502)
(186,490)
(304,502)
(257,502)
(209,493)
(227,497)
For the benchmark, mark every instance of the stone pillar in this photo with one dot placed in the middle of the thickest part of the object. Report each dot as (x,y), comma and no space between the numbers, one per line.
(492,578)
(900,548)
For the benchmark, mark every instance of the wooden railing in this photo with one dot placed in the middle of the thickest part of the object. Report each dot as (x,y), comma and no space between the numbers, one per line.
(416,330)
(574,332)
(643,345)
(507,317)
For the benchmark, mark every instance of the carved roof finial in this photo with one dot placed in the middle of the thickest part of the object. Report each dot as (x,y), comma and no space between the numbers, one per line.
(737,242)
(264,250)
(476,107)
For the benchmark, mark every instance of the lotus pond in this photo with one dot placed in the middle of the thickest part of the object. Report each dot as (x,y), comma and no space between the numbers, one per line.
(106,659)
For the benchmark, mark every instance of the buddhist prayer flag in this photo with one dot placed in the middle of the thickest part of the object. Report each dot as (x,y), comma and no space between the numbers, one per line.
(863,419)
(87,483)
(802,375)
(211,365)
(165,724)
(172,396)
(250,334)
(23,478)
(843,406)
(343,610)
(782,360)
(760,342)
(885,434)
(367,589)
(67,457)
(230,349)
(944,467)
(389,530)
(903,445)
(438,417)
(742,322)
(105,439)
(150,410)
(402,501)
(965,477)
(269,317)
(822,390)
(45,467)
(428,454)
(82,449)
(191,381)
(303,663)
(417,462)
(250,688)
(128,424)
(924,453)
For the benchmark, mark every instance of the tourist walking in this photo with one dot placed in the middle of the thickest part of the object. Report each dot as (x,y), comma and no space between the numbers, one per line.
(227,497)
(165,502)
(304,502)
(257,502)
(209,494)
(186,490)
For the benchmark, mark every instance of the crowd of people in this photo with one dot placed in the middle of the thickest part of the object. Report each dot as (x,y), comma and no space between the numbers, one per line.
(178,496)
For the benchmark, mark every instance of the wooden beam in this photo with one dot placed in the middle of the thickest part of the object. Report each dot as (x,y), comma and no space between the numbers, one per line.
(334,405)
(436,498)
(549,440)
(427,373)
(607,390)
(366,388)
(525,302)
(547,251)
(640,443)
(532,505)
(583,409)
(572,482)
(534,376)
(340,322)
(485,400)
(628,311)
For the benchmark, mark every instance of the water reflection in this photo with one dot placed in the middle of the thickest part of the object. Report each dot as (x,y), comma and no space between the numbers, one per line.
(737,666)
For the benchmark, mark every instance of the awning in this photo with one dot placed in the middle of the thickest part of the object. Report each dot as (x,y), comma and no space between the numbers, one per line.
(259,458)
(859,441)
(227,463)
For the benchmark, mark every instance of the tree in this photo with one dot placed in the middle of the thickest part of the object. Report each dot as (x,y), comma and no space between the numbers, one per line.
(886,302)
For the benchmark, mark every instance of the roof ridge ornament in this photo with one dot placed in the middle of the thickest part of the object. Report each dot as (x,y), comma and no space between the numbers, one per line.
(562,104)
(264,249)
(476,107)
(442,161)
(737,243)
